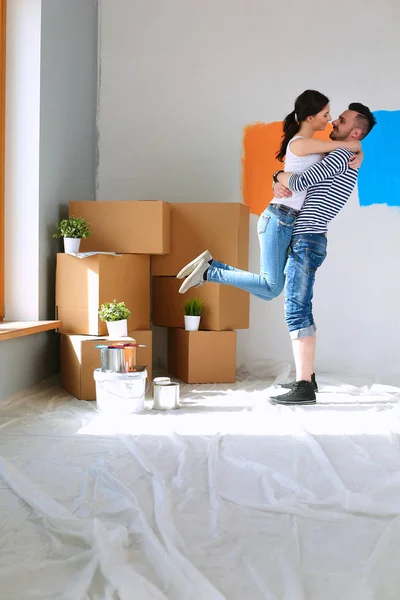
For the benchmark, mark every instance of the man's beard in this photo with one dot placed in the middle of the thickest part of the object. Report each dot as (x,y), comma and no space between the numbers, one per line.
(337,137)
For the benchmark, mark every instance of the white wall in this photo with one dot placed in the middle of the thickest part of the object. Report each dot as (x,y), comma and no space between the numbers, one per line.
(51,156)
(180,80)
(22,157)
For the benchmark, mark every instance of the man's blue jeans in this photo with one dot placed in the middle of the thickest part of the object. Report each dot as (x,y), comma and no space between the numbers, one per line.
(274,228)
(306,254)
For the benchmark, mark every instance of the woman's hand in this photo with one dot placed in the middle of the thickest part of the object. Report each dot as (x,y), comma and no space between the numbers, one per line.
(356,160)
(280,191)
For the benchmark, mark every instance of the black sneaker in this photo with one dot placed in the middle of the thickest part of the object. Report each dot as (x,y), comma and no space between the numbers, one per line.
(289,386)
(302,392)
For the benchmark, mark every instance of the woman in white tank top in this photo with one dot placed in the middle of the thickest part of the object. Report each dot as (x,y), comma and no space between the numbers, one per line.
(300,150)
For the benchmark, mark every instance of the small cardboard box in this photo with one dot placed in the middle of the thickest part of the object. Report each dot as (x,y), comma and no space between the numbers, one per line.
(222,228)
(202,356)
(225,307)
(144,356)
(83,284)
(79,358)
(127,226)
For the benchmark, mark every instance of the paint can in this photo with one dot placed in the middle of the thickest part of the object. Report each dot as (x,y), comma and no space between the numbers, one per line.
(165,394)
(119,358)
(112,360)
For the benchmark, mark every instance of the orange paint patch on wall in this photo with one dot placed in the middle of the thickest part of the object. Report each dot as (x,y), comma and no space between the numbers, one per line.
(260,144)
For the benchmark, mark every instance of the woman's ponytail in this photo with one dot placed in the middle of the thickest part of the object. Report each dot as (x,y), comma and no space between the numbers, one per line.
(290,127)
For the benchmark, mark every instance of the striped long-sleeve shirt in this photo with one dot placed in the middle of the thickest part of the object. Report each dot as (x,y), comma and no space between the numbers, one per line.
(329,184)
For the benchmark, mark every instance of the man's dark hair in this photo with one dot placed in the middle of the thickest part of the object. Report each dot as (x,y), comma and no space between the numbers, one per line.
(365,119)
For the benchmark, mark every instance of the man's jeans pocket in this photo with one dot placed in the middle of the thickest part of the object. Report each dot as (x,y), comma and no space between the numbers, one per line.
(314,258)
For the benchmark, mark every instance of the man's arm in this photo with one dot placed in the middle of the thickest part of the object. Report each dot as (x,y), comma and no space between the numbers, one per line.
(334,163)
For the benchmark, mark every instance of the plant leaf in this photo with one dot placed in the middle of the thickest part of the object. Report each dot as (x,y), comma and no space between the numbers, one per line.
(194,307)
(114,311)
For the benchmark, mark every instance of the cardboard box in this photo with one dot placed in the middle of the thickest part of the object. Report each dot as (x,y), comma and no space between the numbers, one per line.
(225,307)
(79,358)
(222,228)
(127,226)
(83,284)
(202,356)
(144,356)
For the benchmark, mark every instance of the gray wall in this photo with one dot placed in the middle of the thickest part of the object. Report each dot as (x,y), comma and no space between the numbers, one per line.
(68,100)
(67,165)
(27,360)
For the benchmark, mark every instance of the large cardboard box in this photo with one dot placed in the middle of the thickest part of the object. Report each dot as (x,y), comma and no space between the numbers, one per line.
(83,284)
(225,307)
(127,226)
(202,356)
(222,228)
(144,356)
(79,358)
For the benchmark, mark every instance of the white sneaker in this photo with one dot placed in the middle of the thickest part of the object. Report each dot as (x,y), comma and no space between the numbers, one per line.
(190,267)
(195,278)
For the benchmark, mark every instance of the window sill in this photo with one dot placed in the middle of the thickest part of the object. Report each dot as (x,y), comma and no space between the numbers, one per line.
(15,329)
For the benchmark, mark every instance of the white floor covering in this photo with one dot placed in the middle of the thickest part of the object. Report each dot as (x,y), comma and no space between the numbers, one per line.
(227,498)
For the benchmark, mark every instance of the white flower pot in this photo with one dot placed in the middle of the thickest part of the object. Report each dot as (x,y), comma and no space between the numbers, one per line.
(71,245)
(192,323)
(117,329)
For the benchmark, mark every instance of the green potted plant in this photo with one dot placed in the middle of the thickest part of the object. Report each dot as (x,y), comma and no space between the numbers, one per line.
(115,315)
(72,230)
(193,310)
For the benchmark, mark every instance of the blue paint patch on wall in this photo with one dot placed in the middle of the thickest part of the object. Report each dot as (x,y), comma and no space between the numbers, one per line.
(379,177)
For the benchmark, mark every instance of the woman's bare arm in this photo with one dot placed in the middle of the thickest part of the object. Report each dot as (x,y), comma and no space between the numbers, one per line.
(306,146)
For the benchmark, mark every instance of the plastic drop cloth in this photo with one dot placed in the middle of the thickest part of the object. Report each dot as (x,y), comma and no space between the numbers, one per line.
(227,498)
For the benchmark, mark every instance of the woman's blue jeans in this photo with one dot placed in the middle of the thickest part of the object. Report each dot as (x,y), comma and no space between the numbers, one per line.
(274,229)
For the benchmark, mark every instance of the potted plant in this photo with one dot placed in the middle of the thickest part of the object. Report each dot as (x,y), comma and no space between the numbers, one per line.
(193,310)
(116,315)
(72,230)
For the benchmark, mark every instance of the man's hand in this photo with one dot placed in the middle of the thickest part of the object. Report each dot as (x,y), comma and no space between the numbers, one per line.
(280,191)
(356,160)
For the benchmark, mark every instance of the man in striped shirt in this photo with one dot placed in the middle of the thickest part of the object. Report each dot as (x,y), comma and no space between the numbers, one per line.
(329,184)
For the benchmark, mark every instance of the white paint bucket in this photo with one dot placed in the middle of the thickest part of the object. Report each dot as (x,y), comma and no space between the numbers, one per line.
(120,393)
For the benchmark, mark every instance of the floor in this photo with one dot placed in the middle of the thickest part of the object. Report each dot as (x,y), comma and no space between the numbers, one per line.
(227,498)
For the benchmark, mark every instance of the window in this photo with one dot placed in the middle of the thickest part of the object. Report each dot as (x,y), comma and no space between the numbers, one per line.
(2,143)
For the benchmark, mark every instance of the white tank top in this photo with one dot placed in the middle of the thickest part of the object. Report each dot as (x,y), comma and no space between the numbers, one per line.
(296,164)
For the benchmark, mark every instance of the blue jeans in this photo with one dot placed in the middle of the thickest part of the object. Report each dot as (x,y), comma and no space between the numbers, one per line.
(306,254)
(274,230)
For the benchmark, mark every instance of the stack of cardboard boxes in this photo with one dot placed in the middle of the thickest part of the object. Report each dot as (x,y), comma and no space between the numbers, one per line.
(208,355)
(153,238)
(134,230)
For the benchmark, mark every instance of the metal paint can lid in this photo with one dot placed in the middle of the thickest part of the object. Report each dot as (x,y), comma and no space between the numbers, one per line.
(161,380)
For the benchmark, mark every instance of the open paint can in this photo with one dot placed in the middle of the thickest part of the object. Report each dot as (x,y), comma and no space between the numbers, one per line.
(112,360)
(119,358)
(165,394)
